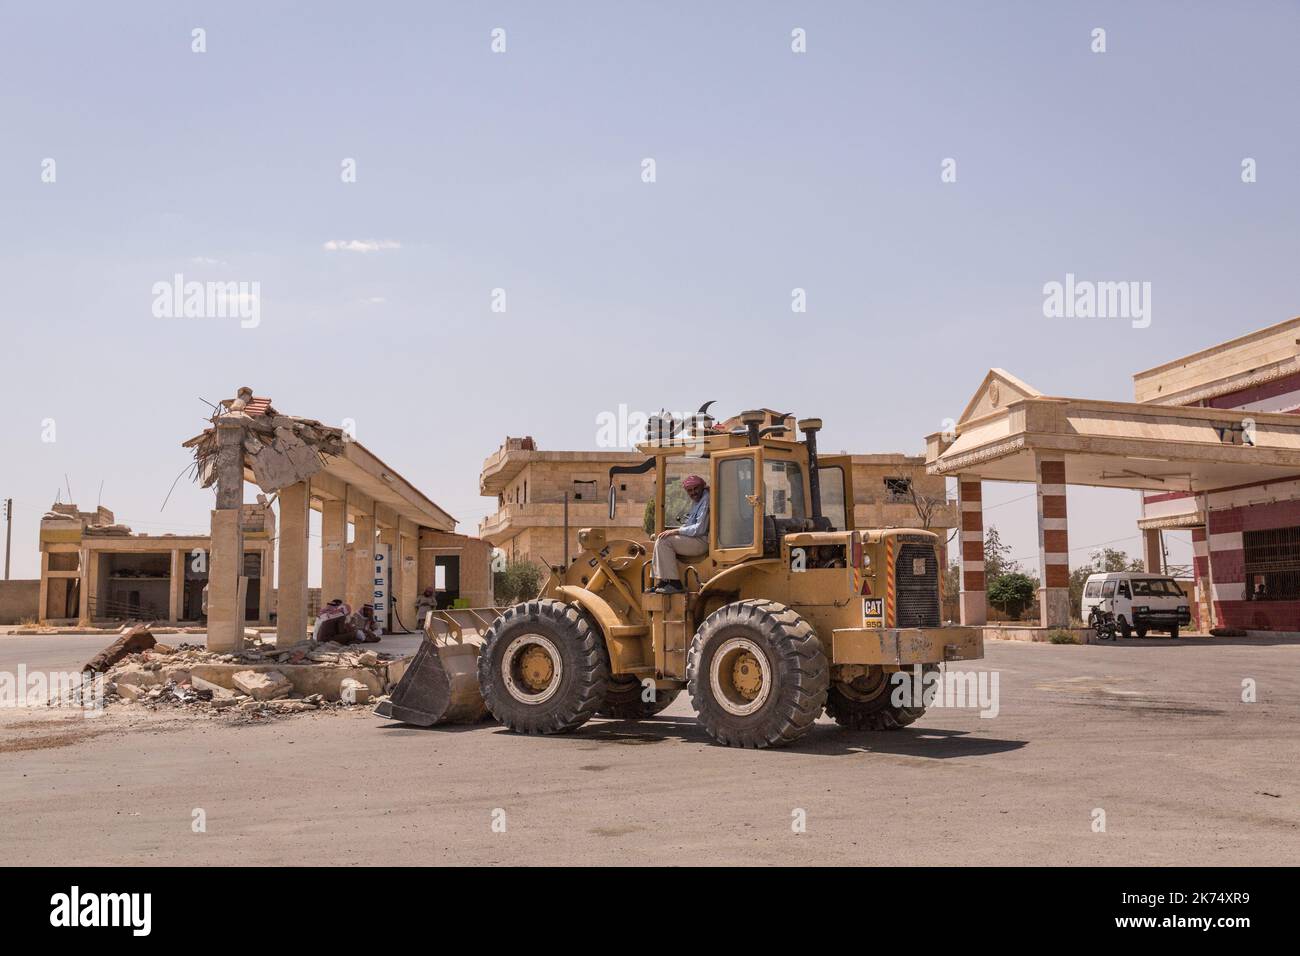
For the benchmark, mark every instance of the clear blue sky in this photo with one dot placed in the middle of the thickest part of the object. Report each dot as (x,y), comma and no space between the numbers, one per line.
(522,171)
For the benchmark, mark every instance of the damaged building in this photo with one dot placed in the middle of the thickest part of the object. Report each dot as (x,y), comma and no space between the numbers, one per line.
(382,540)
(94,569)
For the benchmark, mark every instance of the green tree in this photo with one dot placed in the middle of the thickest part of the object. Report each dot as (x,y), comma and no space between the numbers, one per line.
(521,580)
(997,561)
(1011,593)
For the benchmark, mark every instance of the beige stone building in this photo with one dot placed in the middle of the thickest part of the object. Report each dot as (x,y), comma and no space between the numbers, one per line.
(530,487)
(529,484)
(95,569)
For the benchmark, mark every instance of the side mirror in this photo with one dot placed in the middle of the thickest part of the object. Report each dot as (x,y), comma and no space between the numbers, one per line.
(613,501)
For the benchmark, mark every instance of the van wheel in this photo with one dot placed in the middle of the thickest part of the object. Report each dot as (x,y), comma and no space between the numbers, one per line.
(1125,629)
(1141,631)
(1173,632)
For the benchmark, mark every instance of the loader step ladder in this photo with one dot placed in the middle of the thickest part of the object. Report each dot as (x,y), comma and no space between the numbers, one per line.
(671,630)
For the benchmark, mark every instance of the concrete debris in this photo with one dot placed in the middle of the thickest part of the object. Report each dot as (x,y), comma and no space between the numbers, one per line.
(353,691)
(256,683)
(134,639)
(281,449)
(266,685)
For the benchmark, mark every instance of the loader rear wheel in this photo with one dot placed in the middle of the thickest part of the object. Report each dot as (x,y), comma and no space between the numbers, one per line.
(623,702)
(757,674)
(866,703)
(543,668)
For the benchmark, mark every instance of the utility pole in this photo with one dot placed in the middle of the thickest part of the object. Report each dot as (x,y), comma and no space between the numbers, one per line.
(9,531)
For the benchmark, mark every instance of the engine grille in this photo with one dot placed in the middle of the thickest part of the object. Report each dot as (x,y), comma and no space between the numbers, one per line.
(918,594)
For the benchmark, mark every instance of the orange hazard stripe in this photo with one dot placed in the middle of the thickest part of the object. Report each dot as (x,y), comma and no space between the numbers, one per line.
(889,582)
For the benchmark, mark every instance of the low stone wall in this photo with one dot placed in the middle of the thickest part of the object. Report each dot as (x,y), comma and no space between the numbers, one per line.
(19,600)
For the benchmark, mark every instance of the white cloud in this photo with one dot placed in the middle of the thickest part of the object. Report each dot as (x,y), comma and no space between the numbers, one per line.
(360,245)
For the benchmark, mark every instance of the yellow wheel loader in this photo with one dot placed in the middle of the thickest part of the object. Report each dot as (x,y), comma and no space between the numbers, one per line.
(791,611)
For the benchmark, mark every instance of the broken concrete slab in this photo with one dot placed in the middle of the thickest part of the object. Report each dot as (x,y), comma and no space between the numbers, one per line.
(136,675)
(305,678)
(133,640)
(352,691)
(262,685)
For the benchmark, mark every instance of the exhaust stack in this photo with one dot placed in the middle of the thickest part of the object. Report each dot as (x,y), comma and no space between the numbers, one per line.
(810,427)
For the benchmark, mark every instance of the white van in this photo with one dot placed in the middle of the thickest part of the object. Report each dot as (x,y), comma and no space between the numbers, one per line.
(1139,602)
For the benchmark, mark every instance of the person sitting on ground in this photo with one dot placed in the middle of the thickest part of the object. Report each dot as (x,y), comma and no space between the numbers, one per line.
(690,540)
(332,621)
(363,626)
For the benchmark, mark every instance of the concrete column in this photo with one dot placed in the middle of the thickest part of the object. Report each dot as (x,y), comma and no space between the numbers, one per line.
(88,574)
(176,587)
(973,600)
(226,559)
(1153,552)
(333,550)
(267,583)
(291,604)
(1053,543)
(406,580)
(43,601)
(361,567)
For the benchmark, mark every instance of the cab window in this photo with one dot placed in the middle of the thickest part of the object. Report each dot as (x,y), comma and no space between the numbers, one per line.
(677,503)
(734,511)
(1124,590)
(783,484)
(1108,589)
(1093,589)
(831,481)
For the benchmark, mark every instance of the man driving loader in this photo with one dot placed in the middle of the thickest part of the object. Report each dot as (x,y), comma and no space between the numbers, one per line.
(690,540)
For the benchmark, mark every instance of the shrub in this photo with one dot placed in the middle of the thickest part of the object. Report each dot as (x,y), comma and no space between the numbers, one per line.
(1011,593)
(1060,636)
(521,580)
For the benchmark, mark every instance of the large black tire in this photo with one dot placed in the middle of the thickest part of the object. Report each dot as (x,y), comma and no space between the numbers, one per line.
(623,702)
(1125,628)
(866,703)
(526,642)
(1173,632)
(757,674)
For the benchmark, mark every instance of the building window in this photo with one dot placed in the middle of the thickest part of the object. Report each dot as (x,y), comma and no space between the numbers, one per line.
(898,491)
(1272,564)
(584,490)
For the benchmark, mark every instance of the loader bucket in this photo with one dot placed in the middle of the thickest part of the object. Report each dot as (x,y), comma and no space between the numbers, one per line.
(440,685)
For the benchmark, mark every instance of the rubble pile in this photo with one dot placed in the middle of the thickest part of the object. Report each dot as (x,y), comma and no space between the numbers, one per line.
(139,670)
(282,449)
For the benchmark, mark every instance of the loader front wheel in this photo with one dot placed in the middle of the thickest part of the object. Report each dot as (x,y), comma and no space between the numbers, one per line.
(543,668)
(625,699)
(757,674)
(866,703)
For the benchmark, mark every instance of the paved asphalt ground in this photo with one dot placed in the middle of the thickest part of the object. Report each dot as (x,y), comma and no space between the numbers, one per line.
(1154,733)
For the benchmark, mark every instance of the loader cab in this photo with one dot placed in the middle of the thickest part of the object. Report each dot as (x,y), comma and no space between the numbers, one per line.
(757,493)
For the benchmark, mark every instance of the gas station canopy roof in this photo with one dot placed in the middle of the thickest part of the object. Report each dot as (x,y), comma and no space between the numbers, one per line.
(1113,444)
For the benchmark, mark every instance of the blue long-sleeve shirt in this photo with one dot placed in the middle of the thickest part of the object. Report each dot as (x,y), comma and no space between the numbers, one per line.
(697,520)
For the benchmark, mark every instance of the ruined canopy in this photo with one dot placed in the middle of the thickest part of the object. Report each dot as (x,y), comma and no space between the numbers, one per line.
(280,449)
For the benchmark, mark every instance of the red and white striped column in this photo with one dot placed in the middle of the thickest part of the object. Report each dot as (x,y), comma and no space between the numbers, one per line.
(973,601)
(1053,544)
